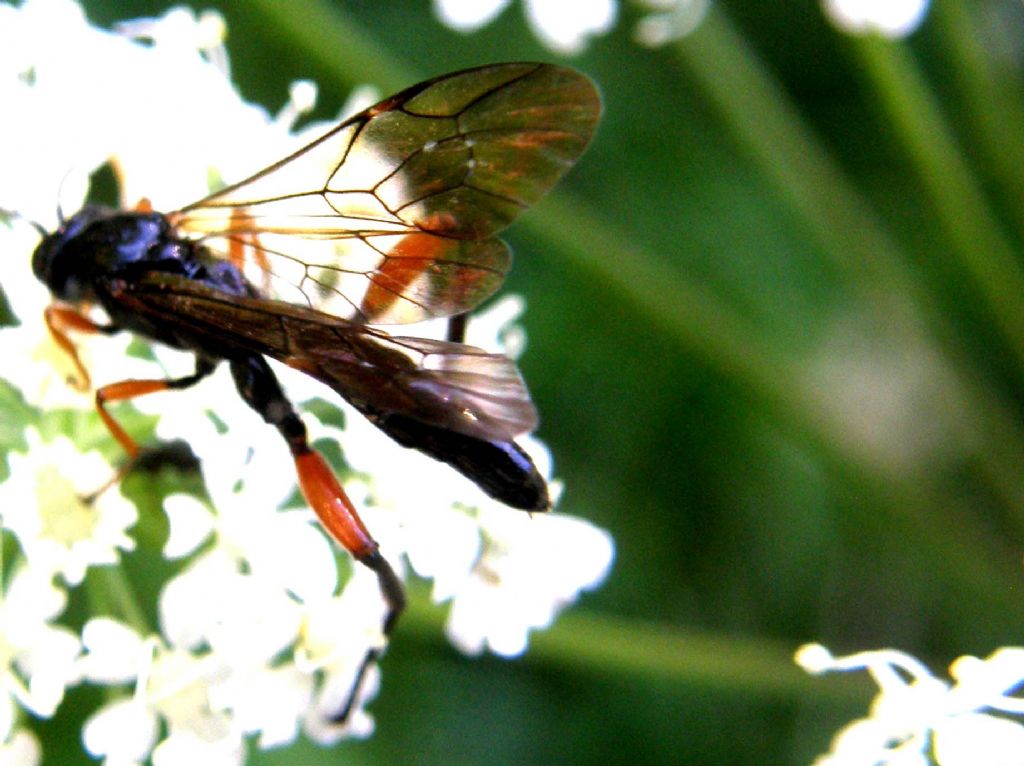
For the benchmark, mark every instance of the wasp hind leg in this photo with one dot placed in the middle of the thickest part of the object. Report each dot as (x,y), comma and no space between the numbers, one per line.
(260,389)
(457,328)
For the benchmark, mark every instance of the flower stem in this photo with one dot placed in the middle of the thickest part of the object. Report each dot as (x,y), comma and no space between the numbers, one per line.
(992,97)
(607,646)
(983,251)
(755,666)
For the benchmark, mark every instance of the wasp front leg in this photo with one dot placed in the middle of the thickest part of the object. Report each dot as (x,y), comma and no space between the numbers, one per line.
(59,321)
(259,387)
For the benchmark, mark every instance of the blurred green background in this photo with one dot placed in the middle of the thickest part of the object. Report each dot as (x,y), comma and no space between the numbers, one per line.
(776,335)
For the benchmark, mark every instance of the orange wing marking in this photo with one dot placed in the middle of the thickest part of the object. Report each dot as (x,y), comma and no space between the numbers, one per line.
(245,245)
(410,258)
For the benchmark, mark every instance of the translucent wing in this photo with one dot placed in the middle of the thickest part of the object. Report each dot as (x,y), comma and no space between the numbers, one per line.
(451,385)
(390,217)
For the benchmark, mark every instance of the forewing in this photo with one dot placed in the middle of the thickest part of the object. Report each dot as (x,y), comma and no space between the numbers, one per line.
(390,217)
(451,385)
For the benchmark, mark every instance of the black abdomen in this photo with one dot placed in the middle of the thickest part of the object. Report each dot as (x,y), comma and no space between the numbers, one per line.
(500,468)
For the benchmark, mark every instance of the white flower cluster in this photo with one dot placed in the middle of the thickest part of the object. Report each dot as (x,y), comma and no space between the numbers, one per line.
(670,20)
(888,18)
(563,27)
(566,27)
(256,635)
(919,720)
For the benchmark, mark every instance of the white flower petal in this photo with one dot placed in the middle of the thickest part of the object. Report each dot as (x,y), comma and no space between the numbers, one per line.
(891,18)
(22,749)
(8,712)
(122,732)
(566,27)
(979,740)
(271,702)
(480,618)
(447,545)
(468,15)
(335,690)
(184,609)
(43,506)
(676,19)
(40,657)
(213,603)
(185,748)
(191,523)
(916,715)
(287,551)
(179,687)
(992,678)
(531,568)
(51,665)
(115,653)
(31,598)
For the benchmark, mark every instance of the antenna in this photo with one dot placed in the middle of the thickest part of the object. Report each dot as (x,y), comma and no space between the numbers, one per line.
(14,215)
(60,193)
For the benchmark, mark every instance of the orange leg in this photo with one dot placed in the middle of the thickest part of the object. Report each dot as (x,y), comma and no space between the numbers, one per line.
(336,512)
(59,319)
(129,389)
(126,389)
(326,497)
(258,385)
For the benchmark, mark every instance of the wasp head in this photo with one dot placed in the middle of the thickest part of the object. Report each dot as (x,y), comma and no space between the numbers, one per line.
(58,259)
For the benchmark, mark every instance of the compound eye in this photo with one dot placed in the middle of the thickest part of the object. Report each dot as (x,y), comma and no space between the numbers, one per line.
(42,258)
